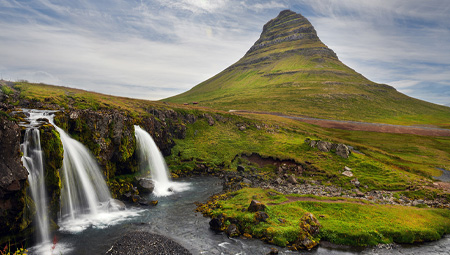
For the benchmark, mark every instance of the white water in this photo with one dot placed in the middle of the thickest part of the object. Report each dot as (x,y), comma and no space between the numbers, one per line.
(152,159)
(84,189)
(32,159)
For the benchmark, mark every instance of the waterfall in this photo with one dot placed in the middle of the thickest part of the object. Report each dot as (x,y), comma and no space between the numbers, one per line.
(84,188)
(33,161)
(152,159)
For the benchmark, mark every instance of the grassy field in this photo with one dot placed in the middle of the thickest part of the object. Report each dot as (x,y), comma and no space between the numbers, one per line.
(345,221)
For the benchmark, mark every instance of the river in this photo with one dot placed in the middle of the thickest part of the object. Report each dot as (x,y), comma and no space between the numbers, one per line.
(175,217)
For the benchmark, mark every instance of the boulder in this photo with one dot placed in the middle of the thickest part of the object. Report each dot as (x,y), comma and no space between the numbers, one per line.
(261,216)
(256,206)
(347,171)
(310,227)
(310,224)
(115,205)
(146,185)
(292,179)
(216,224)
(324,146)
(342,150)
(233,231)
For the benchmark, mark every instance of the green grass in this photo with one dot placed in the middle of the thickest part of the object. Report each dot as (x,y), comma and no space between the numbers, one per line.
(346,222)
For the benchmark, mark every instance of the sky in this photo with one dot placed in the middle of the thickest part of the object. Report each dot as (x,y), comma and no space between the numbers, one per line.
(153,49)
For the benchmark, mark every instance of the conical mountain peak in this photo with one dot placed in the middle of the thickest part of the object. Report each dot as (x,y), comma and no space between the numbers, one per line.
(287,26)
(289,70)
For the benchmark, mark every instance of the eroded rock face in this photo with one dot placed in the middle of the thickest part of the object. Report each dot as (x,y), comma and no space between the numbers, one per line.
(13,178)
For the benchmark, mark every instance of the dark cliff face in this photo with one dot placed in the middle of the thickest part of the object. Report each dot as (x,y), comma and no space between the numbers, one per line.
(13,177)
(109,134)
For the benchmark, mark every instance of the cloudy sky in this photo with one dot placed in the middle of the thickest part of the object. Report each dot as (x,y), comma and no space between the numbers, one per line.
(152,49)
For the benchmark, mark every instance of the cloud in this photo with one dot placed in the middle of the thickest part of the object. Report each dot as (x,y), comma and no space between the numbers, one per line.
(128,46)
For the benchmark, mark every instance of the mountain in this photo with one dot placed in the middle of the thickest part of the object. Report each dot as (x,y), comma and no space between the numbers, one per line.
(289,70)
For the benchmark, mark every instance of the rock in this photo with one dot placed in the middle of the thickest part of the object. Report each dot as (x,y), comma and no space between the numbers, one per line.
(233,231)
(312,143)
(115,205)
(310,224)
(292,179)
(324,146)
(146,185)
(310,227)
(355,182)
(279,180)
(359,193)
(247,181)
(347,173)
(216,224)
(135,198)
(256,206)
(261,216)
(240,168)
(342,150)
(13,177)
(273,251)
(209,118)
(346,168)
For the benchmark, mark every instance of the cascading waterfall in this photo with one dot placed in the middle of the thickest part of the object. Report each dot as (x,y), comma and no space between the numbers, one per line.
(33,161)
(84,188)
(151,158)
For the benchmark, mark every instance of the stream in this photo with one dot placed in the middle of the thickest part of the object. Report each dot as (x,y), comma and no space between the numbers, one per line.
(175,217)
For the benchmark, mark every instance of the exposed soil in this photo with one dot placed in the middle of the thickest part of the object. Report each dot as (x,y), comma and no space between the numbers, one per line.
(363,126)
(310,199)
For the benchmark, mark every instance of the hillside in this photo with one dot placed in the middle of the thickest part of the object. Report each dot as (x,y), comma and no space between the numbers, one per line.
(289,70)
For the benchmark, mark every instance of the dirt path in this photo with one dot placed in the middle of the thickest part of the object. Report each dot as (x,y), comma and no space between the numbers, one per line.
(310,199)
(362,126)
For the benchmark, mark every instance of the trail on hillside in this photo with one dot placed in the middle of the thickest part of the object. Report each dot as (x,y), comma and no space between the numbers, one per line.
(361,126)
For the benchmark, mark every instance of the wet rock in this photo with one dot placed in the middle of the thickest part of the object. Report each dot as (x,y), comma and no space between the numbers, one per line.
(233,231)
(115,205)
(273,251)
(146,185)
(13,177)
(256,206)
(216,224)
(342,150)
(261,216)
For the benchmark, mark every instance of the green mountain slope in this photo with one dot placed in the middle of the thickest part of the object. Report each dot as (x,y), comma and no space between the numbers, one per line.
(290,70)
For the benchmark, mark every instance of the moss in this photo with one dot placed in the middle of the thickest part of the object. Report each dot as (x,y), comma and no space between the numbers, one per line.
(53,160)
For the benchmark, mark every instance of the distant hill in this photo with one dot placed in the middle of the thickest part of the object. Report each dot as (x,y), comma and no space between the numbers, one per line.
(289,70)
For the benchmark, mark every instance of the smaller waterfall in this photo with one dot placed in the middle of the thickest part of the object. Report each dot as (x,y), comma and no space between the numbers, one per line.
(151,158)
(84,188)
(33,161)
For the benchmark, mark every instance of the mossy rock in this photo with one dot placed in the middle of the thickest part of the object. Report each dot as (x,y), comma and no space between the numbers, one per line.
(53,161)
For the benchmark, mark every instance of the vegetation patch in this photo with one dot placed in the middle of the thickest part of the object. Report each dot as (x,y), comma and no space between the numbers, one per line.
(347,222)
